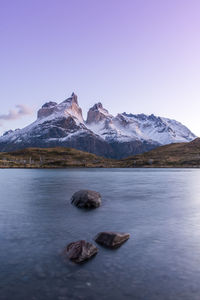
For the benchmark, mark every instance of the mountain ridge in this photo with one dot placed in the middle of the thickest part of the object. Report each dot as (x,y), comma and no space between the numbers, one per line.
(62,124)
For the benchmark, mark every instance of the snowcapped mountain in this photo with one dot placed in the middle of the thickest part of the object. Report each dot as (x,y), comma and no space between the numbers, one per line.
(126,127)
(103,134)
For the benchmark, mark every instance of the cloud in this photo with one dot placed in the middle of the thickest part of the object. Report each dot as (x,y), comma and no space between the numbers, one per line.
(15,114)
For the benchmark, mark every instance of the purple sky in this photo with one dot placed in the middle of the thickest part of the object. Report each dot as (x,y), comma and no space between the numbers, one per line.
(132,55)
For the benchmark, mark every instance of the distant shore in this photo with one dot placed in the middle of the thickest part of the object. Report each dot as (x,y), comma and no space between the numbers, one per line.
(179,155)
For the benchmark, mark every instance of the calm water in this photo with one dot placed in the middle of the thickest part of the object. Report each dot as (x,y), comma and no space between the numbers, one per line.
(159,208)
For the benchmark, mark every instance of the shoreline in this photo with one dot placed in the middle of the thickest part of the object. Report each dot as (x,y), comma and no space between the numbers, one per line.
(96,167)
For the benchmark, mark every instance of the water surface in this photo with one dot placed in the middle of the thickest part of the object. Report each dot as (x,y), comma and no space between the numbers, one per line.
(160,208)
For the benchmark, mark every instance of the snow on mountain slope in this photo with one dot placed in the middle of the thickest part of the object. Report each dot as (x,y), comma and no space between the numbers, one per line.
(125,127)
(57,125)
(50,116)
(161,130)
(103,134)
(67,108)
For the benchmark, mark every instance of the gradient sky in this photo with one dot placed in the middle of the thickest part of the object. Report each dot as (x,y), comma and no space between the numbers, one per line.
(138,56)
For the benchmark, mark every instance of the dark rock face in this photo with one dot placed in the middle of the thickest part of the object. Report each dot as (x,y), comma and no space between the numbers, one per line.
(86,199)
(90,143)
(80,251)
(51,137)
(123,150)
(111,239)
(8,132)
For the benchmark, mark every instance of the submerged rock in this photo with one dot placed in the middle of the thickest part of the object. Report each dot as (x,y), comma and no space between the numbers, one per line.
(86,199)
(80,251)
(111,239)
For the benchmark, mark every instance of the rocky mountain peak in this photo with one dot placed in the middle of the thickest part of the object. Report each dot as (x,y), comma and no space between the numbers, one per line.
(72,99)
(46,110)
(97,113)
(71,107)
(68,107)
(97,106)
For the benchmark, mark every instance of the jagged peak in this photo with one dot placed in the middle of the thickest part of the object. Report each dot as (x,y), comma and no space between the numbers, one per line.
(46,109)
(97,113)
(72,98)
(67,107)
(143,116)
(97,106)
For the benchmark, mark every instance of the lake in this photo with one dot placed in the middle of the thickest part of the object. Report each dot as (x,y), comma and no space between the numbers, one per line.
(160,208)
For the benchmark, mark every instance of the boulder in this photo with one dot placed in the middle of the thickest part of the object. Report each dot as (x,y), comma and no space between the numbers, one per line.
(86,199)
(111,239)
(80,251)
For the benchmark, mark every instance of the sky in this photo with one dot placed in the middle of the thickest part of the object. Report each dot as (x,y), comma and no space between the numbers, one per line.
(134,56)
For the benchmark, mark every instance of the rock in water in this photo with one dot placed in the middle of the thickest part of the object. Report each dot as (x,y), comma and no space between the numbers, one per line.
(111,239)
(86,199)
(80,251)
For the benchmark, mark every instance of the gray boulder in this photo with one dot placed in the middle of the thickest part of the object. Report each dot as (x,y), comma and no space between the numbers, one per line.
(86,199)
(80,251)
(111,239)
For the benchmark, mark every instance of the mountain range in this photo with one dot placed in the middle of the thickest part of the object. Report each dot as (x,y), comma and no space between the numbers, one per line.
(62,124)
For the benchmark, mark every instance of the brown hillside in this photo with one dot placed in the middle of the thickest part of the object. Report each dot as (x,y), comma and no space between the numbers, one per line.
(53,158)
(173,155)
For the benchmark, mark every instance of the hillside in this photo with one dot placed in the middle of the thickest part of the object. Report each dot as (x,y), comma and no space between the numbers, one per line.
(53,158)
(173,155)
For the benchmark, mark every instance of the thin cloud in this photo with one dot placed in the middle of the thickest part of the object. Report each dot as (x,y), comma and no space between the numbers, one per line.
(15,114)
